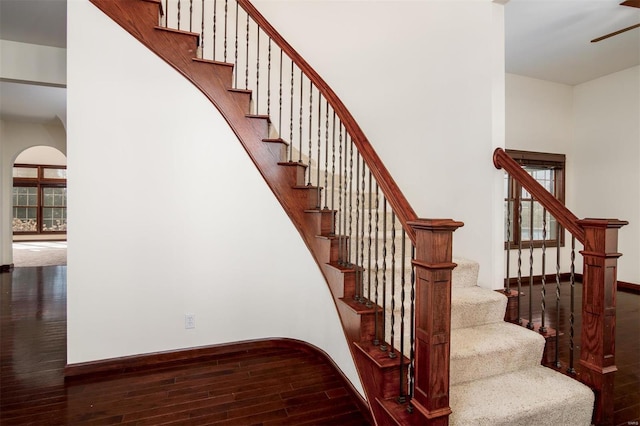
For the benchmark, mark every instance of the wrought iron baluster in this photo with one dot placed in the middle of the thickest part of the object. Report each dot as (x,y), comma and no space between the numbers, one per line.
(402,394)
(519,259)
(190,15)
(376,340)
(571,368)
(412,331)
(530,316)
(246,57)
(343,179)
(291,92)
(311,138)
(179,7)
(383,331)
(300,112)
(350,208)
(507,283)
(318,149)
(333,179)
(543,302)
(359,290)
(364,299)
(557,337)
(280,93)
(326,162)
(369,304)
(166,13)
(215,32)
(269,79)
(257,102)
(235,54)
(226,19)
(202,31)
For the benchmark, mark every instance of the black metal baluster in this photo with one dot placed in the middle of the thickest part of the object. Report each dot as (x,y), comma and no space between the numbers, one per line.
(557,337)
(246,57)
(402,394)
(291,92)
(519,259)
(190,15)
(333,179)
(166,13)
(383,331)
(530,316)
(376,239)
(362,233)
(350,208)
(300,112)
(280,102)
(571,368)
(235,55)
(343,179)
(507,282)
(359,291)
(179,6)
(543,301)
(326,163)
(269,79)
(202,31)
(318,149)
(215,17)
(226,19)
(412,331)
(369,304)
(257,102)
(311,137)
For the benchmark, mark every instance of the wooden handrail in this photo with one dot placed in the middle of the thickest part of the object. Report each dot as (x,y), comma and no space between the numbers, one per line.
(390,189)
(563,215)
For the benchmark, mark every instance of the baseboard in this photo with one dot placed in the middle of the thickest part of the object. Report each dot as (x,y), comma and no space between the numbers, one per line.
(139,363)
(628,287)
(6,268)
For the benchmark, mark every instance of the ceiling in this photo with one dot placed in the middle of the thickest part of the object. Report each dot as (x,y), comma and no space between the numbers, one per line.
(545,39)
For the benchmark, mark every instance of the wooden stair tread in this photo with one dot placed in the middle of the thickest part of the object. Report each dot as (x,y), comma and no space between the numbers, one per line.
(344,268)
(399,412)
(210,61)
(379,357)
(259,116)
(173,30)
(244,91)
(359,307)
(291,164)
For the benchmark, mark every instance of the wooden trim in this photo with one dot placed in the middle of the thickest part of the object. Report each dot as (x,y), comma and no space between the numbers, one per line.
(160,359)
(392,192)
(563,215)
(628,287)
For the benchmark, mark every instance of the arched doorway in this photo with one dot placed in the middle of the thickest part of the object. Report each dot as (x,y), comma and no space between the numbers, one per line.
(39,207)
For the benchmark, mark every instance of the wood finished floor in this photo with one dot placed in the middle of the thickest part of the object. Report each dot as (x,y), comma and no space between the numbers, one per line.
(627,378)
(275,386)
(270,387)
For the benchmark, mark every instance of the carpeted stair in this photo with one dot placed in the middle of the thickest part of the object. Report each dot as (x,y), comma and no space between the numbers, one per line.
(496,375)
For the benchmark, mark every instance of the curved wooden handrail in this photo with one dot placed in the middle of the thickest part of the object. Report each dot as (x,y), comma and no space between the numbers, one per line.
(390,189)
(563,215)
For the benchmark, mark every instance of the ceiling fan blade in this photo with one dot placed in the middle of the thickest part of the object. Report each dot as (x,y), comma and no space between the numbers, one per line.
(631,3)
(595,40)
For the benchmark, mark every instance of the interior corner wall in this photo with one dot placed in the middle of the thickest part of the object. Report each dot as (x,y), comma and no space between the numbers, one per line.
(606,176)
(15,137)
(539,117)
(420,79)
(168,216)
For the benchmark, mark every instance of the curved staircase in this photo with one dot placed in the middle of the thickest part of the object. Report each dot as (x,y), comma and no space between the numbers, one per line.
(496,377)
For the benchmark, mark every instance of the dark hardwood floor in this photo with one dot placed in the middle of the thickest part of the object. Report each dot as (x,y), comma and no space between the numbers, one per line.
(267,386)
(627,378)
(273,386)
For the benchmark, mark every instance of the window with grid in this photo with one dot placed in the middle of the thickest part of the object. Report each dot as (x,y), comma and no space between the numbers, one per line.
(39,199)
(528,222)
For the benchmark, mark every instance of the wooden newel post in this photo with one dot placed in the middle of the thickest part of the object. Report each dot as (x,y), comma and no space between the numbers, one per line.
(433,265)
(597,354)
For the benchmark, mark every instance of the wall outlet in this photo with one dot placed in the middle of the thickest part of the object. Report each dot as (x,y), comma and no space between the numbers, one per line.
(189,321)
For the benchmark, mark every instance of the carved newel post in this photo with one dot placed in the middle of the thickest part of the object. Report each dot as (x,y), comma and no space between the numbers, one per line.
(597,354)
(433,265)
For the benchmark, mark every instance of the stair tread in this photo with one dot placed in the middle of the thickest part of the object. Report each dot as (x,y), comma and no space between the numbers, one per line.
(211,61)
(379,357)
(493,349)
(472,306)
(537,395)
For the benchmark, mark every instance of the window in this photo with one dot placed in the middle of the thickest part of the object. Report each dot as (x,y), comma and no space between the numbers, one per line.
(39,199)
(536,224)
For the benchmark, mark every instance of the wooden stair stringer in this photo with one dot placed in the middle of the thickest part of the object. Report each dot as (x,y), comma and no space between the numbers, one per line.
(140,18)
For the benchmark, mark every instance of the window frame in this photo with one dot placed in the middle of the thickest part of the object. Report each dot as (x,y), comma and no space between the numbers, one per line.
(40,182)
(543,160)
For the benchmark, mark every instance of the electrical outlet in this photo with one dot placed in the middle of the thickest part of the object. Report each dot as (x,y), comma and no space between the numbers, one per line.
(189,321)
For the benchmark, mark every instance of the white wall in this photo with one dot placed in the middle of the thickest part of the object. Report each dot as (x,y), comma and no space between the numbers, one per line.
(596,124)
(539,117)
(425,82)
(168,216)
(607,159)
(15,137)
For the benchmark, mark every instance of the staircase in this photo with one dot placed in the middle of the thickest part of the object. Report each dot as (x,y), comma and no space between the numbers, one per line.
(496,377)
